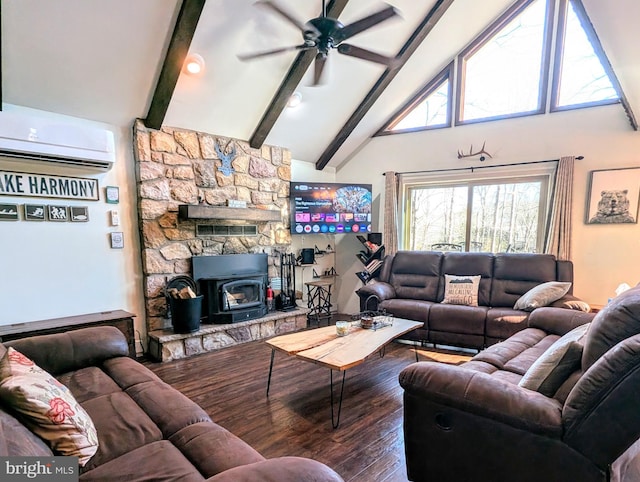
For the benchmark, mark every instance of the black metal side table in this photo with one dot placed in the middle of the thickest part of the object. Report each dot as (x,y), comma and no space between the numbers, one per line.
(319,300)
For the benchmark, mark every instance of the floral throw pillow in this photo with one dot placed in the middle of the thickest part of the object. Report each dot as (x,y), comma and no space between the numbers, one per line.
(47,407)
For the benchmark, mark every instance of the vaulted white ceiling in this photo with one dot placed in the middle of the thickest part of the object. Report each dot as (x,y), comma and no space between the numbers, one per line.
(100,60)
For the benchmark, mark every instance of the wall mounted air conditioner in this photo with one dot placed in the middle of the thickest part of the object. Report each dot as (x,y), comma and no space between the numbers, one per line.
(49,141)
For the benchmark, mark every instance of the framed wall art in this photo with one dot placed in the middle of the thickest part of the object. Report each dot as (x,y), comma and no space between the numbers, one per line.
(112,194)
(79,214)
(57,213)
(8,212)
(34,212)
(117,240)
(612,197)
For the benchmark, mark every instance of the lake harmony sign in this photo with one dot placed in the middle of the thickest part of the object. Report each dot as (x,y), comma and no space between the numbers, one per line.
(39,185)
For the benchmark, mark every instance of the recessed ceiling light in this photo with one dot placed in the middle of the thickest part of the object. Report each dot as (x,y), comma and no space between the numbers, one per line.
(194,64)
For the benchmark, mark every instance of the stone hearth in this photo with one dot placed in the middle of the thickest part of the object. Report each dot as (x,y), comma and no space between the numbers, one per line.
(165,345)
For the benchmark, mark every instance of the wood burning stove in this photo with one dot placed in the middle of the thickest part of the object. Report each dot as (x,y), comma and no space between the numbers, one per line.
(233,286)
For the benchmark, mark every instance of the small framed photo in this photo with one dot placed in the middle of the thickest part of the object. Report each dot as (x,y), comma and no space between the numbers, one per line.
(57,213)
(117,240)
(34,212)
(8,212)
(112,194)
(613,196)
(79,214)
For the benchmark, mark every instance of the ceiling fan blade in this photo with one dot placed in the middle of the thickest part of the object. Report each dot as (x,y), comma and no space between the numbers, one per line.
(273,51)
(353,51)
(302,26)
(358,26)
(318,67)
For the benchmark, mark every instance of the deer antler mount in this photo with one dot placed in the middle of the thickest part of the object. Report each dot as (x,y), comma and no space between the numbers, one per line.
(482,153)
(226,158)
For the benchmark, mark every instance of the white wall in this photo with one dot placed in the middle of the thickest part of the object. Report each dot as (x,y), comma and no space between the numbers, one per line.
(604,255)
(52,270)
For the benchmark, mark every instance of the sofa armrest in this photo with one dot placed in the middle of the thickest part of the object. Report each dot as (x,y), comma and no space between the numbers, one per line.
(384,291)
(558,320)
(482,395)
(65,352)
(282,469)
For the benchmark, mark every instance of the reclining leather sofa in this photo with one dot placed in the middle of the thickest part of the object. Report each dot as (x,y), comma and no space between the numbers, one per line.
(475,422)
(411,285)
(146,429)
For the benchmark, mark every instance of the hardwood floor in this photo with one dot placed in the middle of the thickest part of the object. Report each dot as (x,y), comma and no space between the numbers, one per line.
(230,384)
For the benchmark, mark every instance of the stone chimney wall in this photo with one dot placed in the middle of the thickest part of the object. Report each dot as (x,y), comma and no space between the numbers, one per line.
(178,166)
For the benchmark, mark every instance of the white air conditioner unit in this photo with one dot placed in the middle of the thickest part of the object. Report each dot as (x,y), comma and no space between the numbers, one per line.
(49,141)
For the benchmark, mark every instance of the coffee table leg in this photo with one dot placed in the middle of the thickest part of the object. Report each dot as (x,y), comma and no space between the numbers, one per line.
(336,422)
(273,352)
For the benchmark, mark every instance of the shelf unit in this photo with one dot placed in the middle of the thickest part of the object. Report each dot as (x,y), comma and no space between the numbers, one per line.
(372,259)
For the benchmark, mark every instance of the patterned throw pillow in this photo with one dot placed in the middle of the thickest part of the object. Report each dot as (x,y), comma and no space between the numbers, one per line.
(47,407)
(461,290)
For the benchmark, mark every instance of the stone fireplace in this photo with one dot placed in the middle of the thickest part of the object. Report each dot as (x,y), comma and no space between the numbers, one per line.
(185,181)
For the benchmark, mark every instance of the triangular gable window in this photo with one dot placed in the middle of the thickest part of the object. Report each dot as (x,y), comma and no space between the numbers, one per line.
(582,75)
(501,71)
(505,71)
(428,109)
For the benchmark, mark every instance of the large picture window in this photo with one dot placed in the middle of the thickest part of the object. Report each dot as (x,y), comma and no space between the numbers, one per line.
(489,215)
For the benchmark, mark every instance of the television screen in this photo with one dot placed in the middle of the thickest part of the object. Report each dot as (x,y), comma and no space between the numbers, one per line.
(330,208)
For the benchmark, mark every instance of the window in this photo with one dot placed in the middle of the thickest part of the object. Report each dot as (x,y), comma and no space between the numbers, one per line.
(429,109)
(505,71)
(580,76)
(501,73)
(489,215)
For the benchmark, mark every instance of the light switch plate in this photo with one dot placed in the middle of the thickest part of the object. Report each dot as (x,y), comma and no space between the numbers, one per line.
(115,218)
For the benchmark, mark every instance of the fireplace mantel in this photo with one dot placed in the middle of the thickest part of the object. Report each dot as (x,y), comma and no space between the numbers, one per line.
(197,211)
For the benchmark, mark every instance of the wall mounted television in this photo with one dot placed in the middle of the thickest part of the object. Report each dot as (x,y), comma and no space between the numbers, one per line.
(330,208)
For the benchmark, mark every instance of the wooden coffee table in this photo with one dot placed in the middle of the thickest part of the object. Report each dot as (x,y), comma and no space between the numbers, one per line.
(323,346)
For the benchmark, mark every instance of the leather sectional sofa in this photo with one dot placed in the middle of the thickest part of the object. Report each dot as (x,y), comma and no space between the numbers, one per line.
(146,429)
(476,422)
(411,285)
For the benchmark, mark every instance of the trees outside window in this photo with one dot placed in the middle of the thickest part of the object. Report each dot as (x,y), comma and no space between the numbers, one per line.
(489,216)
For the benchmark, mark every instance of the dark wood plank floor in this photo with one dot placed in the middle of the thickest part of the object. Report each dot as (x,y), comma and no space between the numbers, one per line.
(230,384)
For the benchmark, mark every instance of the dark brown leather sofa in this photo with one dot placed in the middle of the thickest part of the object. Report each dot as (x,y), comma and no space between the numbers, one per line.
(147,430)
(474,422)
(411,285)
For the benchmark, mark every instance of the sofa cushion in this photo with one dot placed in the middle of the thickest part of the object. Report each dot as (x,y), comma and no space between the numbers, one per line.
(556,364)
(542,295)
(159,460)
(114,415)
(516,273)
(469,264)
(18,440)
(461,290)
(501,323)
(213,449)
(519,352)
(47,407)
(416,274)
(618,320)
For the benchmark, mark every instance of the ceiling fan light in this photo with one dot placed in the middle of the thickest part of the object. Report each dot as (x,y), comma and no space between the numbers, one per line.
(295,100)
(194,64)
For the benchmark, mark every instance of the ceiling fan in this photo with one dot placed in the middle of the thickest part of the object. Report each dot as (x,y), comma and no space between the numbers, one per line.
(325,33)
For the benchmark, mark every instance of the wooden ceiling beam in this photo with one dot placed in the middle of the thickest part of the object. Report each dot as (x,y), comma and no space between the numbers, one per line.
(297,70)
(423,30)
(179,44)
